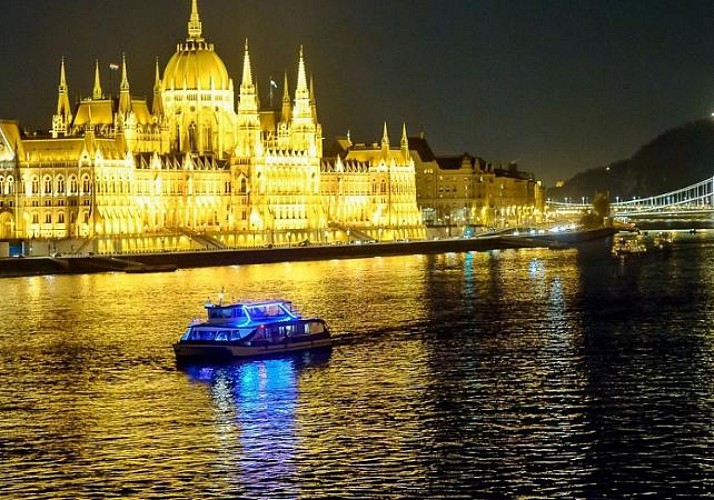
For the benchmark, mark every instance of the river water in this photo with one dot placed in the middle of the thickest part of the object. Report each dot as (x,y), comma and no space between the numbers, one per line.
(506,374)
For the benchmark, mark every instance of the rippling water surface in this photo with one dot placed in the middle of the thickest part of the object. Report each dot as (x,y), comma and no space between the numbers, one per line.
(511,374)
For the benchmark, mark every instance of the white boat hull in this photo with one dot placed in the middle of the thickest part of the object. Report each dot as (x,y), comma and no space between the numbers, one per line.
(227,351)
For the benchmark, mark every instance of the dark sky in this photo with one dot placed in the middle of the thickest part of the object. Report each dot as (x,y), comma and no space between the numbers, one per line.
(559,86)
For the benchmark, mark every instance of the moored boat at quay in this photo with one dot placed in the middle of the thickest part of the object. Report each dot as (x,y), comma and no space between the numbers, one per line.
(632,246)
(251,329)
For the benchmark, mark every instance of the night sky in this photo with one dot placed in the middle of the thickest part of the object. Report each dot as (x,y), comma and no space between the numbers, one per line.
(559,86)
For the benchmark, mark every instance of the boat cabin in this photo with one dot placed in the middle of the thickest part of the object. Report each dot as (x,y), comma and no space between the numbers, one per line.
(246,313)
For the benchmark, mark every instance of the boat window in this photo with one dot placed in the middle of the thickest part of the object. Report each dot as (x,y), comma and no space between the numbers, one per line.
(235,335)
(269,311)
(203,335)
(263,332)
(220,313)
(222,336)
(315,327)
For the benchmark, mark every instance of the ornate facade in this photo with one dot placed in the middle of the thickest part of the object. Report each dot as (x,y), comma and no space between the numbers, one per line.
(193,169)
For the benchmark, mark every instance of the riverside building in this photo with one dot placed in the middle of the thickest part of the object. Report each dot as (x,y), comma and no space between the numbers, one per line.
(458,192)
(195,169)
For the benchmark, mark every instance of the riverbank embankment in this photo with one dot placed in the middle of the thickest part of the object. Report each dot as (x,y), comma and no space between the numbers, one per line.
(161,261)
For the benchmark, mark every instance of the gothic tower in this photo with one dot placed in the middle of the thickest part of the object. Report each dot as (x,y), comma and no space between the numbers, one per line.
(248,136)
(61,120)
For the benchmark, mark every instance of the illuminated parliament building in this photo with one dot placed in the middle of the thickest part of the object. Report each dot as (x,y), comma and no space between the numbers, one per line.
(194,169)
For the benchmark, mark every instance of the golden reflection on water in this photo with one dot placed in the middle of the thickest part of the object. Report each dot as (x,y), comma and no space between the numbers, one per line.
(447,369)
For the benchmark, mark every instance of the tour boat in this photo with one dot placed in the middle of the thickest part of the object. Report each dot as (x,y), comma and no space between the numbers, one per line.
(251,329)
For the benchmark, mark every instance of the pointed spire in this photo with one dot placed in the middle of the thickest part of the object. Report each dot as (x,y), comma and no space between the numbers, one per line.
(158,103)
(405,143)
(63,115)
(157,76)
(302,78)
(248,138)
(247,72)
(124,96)
(385,137)
(195,27)
(124,87)
(248,102)
(302,110)
(63,78)
(313,105)
(286,111)
(97,91)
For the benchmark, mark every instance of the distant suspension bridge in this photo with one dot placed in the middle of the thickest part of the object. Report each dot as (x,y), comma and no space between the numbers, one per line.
(697,199)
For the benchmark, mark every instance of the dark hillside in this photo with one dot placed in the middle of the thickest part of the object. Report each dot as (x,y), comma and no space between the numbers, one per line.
(677,158)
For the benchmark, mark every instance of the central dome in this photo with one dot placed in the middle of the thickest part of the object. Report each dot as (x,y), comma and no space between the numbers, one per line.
(196,65)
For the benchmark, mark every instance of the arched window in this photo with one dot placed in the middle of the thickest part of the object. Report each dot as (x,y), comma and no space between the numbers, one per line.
(10,185)
(60,185)
(35,185)
(2,185)
(73,185)
(85,184)
(48,217)
(60,218)
(47,182)
(383,187)
(243,186)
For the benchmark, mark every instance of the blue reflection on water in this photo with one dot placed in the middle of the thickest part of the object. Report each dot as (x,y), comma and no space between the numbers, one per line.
(256,403)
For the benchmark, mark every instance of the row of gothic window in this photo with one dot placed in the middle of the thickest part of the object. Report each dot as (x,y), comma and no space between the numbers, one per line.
(7,185)
(61,218)
(59,186)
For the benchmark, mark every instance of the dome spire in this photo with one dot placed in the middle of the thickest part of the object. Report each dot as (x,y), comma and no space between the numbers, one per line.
(97,91)
(195,27)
